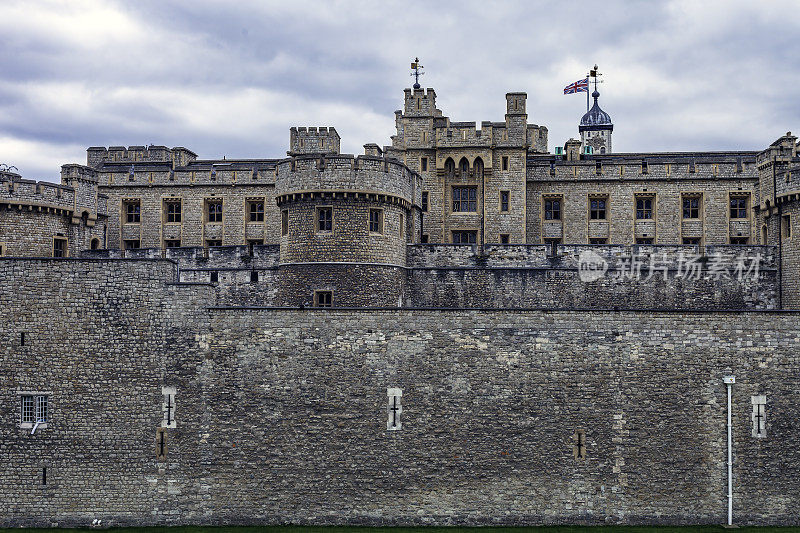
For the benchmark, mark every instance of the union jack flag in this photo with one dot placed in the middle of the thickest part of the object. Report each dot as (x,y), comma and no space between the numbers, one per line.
(580,86)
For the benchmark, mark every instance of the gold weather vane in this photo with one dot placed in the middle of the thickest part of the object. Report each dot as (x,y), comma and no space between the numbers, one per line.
(417,71)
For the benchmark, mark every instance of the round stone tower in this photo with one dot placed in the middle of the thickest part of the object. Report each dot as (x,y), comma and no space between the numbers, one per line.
(345,223)
(596,128)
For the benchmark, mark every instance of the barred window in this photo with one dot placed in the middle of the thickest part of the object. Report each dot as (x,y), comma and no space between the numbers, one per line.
(59,247)
(465,199)
(324,219)
(644,208)
(691,207)
(133,211)
(738,207)
(33,408)
(552,209)
(597,208)
(256,210)
(172,210)
(376,221)
(504,200)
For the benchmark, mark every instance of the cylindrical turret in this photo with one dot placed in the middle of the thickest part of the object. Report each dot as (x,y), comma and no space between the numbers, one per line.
(345,224)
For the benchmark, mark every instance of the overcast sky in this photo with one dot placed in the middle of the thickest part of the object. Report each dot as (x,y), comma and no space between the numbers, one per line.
(229,79)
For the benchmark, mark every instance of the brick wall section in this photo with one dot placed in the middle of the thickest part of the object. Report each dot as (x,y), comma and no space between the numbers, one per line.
(282,413)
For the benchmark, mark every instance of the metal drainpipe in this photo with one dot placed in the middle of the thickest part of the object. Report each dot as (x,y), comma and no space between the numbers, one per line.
(729,381)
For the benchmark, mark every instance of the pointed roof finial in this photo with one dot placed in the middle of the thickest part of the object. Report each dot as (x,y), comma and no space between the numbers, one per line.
(416,69)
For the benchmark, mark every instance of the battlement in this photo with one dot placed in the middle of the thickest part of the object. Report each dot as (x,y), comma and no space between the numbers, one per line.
(420,103)
(178,156)
(346,172)
(515,103)
(196,172)
(312,140)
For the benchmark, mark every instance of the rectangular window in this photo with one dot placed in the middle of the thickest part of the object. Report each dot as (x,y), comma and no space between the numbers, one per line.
(131,244)
(504,200)
(425,201)
(323,299)
(214,210)
(596,240)
(504,237)
(644,240)
(424,238)
(376,220)
(33,409)
(2,249)
(172,211)
(691,206)
(739,206)
(465,237)
(552,209)
(505,162)
(214,276)
(424,164)
(694,241)
(759,416)
(395,408)
(465,199)
(786,227)
(256,210)
(740,240)
(597,208)
(644,208)
(213,242)
(172,244)
(132,209)
(285,222)
(59,247)
(324,219)
(402,225)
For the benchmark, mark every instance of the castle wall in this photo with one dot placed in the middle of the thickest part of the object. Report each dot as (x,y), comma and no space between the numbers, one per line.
(622,180)
(281,415)
(643,277)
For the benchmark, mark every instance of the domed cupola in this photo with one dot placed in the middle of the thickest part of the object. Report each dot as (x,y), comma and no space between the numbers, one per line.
(595,129)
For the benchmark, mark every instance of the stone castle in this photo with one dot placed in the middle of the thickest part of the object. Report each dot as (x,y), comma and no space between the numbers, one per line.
(457,328)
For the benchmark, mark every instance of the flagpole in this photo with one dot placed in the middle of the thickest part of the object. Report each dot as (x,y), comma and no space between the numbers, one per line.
(587,92)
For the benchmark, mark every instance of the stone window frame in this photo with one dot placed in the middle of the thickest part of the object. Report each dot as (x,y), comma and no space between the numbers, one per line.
(504,163)
(596,239)
(317,211)
(552,198)
(219,217)
(604,210)
(170,243)
(644,241)
(759,415)
(2,249)
(323,298)
(461,232)
(460,202)
(741,240)
(699,208)
(424,238)
(137,241)
(644,196)
(505,203)
(739,195)
(505,238)
(35,396)
(249,203)
(58,252)
(425,197)
(135,215)
(423,164)
(375,225)
(209,242)
(176,217)
(786,227)
(284,222)
(688,241)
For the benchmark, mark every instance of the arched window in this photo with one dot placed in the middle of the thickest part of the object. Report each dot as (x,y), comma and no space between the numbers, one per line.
(602,149)
(450,167)
(463,166)
(95,244)
(478,167)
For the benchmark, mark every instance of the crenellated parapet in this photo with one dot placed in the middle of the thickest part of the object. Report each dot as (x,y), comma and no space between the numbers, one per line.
(313,140)
(177,156)
(347,173)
